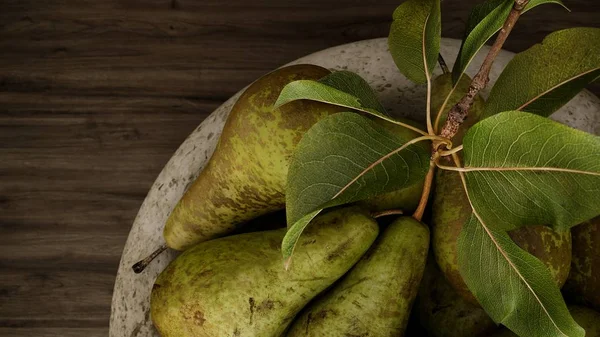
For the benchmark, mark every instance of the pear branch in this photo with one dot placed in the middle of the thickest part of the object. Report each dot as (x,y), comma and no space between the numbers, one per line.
(459,112)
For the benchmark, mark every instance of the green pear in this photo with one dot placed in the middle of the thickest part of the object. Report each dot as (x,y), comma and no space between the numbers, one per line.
(375,297)
(583,284)
(450,206)
(587,318)
(237,285)
(444,313)
(451,209)
(246,176)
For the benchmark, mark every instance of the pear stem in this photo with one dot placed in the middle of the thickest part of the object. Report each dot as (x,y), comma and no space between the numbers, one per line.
(376,215)
(141,265)
(460,110)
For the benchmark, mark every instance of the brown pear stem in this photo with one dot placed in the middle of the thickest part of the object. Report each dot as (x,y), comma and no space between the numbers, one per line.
(418,214)
(459,112)
(376,215)
(141,265)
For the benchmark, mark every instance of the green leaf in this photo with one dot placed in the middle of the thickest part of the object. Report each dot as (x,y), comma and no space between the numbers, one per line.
(522,169)
(514,287)
(546,76)
(341,88)
(293,235)
(356,86)
(485,20)
(345,158)
(414,39)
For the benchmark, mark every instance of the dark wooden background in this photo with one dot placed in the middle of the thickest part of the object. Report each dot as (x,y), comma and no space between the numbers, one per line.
(95,96)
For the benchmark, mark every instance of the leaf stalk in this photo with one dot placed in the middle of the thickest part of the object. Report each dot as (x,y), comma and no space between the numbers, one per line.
(452,151)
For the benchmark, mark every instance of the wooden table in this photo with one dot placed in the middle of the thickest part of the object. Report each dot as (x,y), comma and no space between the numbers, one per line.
(95,96)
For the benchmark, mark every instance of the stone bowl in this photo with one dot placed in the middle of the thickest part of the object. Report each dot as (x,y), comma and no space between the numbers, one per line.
(130,314)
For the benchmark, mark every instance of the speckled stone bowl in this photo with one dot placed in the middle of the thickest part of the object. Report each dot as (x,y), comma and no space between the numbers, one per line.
(130,315)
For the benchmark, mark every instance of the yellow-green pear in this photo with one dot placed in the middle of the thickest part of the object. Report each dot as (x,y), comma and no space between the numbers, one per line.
(583,284)
(375,298)
(237,285)
(246,175)
(450,206)
(587,318)
(444,313)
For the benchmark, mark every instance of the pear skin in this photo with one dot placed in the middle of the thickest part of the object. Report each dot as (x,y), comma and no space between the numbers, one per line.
(587,318)
(375,298)
(583,284)
(448,186)
(450,210)
(237,285)
(444,313)
(553,248)
(246,175)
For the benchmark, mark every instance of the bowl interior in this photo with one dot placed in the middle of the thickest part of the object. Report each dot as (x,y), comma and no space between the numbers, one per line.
(130,314)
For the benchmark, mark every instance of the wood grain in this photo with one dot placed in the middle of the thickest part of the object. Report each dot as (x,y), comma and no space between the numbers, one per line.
(95,96)
(54,332)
